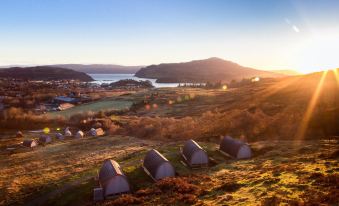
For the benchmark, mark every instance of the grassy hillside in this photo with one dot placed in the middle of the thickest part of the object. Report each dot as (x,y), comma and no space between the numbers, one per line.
(63,173)
(287,121)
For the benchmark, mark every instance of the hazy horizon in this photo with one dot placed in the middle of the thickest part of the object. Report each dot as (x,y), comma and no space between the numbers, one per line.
(269,35)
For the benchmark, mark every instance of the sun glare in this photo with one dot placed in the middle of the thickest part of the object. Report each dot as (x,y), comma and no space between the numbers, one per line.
(310,108)
(319,52)
(335,71)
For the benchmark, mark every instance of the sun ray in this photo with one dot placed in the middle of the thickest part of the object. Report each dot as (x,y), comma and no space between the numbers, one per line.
(278,87)
(310,108)
(336,75)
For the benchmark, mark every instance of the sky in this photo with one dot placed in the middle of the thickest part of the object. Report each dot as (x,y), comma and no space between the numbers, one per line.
(267,34)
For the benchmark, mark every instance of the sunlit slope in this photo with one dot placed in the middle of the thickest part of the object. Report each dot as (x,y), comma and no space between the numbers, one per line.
(288,108)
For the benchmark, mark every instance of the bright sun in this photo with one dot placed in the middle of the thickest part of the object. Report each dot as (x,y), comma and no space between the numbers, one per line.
(318,53)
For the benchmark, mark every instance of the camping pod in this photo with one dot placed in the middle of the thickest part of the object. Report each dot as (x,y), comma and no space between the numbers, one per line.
(92,132)
(44,139)
(59,136)
(157,166)
(112,180)
(30,143)
(235,148)
(194,155)
(19,134)
(97,132)
(68,133)
(79,134)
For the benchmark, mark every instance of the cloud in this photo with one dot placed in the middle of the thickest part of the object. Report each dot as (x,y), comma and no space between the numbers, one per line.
(293,26)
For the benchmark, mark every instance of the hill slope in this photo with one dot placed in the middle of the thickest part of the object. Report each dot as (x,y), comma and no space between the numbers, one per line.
(100,68)
(44,73)
(208,70)
(286,72)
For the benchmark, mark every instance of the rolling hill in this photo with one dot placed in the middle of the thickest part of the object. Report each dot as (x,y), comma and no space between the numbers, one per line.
(207,70)
(286,72)
(44,73)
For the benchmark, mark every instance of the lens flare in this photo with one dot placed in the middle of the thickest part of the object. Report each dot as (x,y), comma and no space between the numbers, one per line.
(224,87)
(310,108)
(46,130)
(278,87)
(336,74)
(148,107)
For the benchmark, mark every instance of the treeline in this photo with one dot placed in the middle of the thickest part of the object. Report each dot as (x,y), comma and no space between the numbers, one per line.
(130,83)
(220,85)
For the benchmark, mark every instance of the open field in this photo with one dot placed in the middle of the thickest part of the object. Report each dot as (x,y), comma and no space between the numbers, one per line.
(62,173)
(107,104)
(31,174)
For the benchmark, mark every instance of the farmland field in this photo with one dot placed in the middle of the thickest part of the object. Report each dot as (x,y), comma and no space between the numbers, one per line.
(102,105)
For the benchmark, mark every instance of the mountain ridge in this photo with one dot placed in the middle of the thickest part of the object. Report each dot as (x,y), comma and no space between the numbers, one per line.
(87,68)
(44,73)
(207,70)
(100,68)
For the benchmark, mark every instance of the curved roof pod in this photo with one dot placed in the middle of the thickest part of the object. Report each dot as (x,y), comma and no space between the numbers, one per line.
(235,148)
(68,133)
(112,179)
(194,154)
(96,132)
(92,132)
(29,143)
(59,136)
(45,139)
(79,134)
(19,134)
(157,165)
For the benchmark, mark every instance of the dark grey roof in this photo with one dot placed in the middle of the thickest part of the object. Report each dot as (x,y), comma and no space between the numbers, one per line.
(231,146)
(59,136)
(45,138)
(190,148)
(109,169)
(153,160)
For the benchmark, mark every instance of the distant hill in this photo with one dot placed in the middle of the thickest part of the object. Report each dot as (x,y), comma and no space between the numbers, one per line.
(207,70)
(99,68)
(286,72)
(44,73)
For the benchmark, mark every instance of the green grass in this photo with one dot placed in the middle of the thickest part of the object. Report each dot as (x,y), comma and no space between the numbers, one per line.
(102,105)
